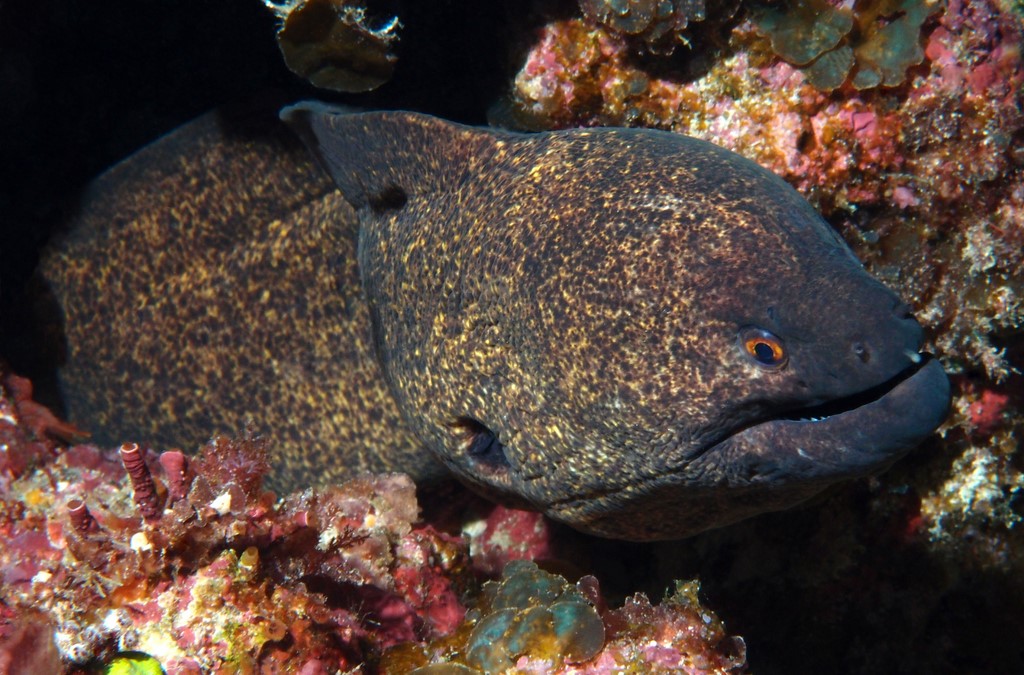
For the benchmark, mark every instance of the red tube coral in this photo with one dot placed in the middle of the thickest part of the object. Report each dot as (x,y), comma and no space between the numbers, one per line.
(144,489)
(80,517)
(179,478)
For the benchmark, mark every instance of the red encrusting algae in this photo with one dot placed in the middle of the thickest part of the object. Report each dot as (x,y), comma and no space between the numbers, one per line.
(214,574)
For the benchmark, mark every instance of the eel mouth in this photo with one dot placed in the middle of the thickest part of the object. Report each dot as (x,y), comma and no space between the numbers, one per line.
(845,437)
(822,411)
(772,464)
(852,436)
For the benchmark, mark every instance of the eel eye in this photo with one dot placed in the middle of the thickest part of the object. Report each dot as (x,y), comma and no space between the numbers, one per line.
(764,348)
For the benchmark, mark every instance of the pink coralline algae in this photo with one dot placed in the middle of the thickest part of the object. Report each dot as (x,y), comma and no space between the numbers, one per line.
(988,412)
(836,151)
(508,534)
(138,559)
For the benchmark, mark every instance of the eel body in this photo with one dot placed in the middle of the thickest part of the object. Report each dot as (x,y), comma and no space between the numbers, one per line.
(638,333)
(208,285)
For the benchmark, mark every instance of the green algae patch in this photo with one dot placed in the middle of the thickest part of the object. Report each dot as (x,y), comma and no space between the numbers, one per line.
(873,45)
(802,31)
(538,615)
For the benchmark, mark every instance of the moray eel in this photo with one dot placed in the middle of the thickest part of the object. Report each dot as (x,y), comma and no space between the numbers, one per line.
(640,334)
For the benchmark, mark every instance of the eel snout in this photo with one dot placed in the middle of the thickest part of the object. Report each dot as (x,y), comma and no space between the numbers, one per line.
(847,437)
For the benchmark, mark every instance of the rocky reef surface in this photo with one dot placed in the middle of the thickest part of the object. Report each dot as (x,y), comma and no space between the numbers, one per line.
(133,559)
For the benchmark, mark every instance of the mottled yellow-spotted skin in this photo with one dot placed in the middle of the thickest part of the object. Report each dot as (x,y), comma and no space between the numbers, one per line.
(210,286)
(579,295)
(557,317)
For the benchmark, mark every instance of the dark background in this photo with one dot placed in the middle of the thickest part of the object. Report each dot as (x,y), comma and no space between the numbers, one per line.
(83,84)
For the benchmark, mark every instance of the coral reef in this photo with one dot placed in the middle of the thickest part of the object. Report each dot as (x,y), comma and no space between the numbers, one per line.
(507,534)
(974,505)
(651,20)
(335,45)
(534,621)
(222,576)
(144,561)
(873,44)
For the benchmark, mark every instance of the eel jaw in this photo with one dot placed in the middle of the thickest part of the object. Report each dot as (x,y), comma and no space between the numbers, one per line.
(843,442)
(768,466)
